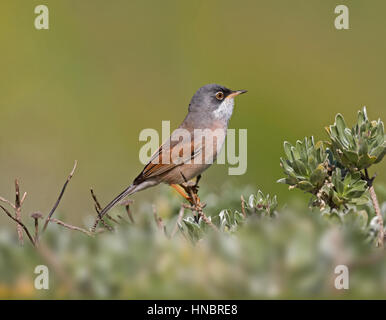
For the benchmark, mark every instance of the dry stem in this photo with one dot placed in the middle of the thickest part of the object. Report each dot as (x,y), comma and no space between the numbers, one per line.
(18,212)
(48,219)
(159,221)
(98,209)
(178,222)
(19,223)
(71,227)
(195,204)
(243,206)
(128,211)
(377,209)
(8,202)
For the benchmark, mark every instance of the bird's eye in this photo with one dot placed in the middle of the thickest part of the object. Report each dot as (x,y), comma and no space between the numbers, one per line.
(220,95)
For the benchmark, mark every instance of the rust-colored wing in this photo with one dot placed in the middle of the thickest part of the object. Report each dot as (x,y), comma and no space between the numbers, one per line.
(165,159)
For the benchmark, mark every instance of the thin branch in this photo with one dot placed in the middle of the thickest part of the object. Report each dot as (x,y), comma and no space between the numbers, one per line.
(60,197)
(36,216)
(17,193)
(127,203)
(18,212)
(207,221)
(98,209)
(98,206)
(377,209)
(243,206)
(23,198)
(104,223)
(36,239)
(71,227)
(7,202)
(111,218)
(178,222)
(159,221)
(122,219)
(19,223)
(197,207)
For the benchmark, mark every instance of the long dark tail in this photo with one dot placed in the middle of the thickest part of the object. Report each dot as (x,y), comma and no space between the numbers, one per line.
(125,193)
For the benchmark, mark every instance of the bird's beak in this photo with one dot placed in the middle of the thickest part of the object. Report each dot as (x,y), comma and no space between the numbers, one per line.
(236,93)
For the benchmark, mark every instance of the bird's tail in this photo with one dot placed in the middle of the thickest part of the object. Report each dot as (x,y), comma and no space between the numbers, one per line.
(128,191)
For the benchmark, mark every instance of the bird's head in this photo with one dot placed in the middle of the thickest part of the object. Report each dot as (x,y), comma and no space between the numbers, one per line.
(215,101)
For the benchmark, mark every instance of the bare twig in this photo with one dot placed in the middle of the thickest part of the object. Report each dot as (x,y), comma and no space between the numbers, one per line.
(111,218)
(104,223)
(71,227)
(97,204)
(243,206)
(98,209)
(18,212)
(159,221)
(23,198)
(197,207)
(377,209)
(36,216)
(8,202)
(19,223)
(48,219)
(207,221)
(127,204)
(374,200)
(178,222)
(122,219)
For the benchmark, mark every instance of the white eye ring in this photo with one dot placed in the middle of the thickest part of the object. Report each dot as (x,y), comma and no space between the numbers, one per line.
(220,95)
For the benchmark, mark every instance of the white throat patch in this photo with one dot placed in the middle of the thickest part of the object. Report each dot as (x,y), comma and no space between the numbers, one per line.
(225,109)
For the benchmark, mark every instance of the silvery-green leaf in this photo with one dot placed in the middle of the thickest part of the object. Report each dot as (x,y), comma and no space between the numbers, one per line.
(305,185)
(287,150)
(252,201)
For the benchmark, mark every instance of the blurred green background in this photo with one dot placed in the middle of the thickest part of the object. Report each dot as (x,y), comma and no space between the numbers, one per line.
(105,70)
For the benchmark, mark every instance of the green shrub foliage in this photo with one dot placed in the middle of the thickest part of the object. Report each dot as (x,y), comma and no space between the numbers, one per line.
(335,171)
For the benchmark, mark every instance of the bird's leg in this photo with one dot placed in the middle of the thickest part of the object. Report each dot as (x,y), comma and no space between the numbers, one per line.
(195,204)
(192,190)
(197,180)
(186,187)
(180,190)
(185,191)
(191,195)
(195,186)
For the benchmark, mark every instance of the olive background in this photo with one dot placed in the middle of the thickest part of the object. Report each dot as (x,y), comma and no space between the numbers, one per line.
(105,70)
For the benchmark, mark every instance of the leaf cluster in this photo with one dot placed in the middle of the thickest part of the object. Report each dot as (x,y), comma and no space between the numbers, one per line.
(335,171)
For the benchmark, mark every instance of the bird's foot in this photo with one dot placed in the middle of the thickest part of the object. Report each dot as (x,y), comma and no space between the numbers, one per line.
(188,192)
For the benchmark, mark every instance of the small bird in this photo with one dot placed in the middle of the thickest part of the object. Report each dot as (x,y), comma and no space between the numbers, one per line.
(209,111)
